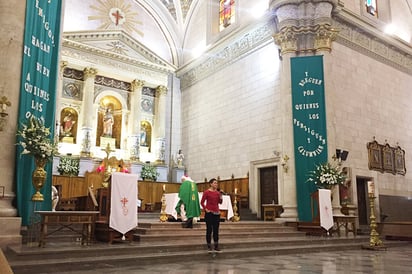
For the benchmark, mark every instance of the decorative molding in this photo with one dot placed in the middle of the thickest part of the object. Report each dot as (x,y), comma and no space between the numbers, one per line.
(113,83)
(362,35)
(219,59)
(98,36)
(84,55)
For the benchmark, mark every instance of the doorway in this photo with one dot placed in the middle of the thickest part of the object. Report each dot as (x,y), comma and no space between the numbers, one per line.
(268,186)
(362,196)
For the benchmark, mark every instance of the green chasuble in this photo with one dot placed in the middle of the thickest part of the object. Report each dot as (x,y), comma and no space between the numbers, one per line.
(189,196)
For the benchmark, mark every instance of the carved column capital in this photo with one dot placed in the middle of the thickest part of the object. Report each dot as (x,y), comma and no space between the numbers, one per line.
(161,90)
(89,72)
(286,40)
(304,26)
(136,84)
(324,37)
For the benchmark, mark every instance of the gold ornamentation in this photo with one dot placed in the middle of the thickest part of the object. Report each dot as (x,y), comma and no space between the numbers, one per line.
(236,217)
(374,241)
(163,215)
(38,178)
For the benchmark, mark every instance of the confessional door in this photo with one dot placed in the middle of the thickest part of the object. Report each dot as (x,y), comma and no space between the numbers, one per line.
(268,186)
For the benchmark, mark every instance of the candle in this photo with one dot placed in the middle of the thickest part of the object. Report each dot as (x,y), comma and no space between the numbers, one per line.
(235,190)
(164,187)
(371,187)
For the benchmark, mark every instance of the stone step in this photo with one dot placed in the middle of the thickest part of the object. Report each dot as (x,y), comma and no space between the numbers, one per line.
(130,255)
(168,242)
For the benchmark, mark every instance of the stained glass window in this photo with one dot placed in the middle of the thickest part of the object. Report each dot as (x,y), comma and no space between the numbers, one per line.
(371,7)
(226,13)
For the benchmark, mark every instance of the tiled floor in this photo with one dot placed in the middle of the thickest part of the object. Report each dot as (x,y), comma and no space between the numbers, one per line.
(393,261)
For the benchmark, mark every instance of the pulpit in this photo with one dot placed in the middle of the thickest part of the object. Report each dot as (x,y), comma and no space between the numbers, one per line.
(103,232)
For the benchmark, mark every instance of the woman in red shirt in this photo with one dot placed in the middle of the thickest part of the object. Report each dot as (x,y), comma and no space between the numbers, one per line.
(211,199)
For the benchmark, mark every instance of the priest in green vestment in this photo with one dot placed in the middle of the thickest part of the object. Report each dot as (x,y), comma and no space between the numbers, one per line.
(189,198)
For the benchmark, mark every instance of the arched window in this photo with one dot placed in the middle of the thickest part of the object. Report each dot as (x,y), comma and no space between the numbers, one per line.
(371,7)
(226,13)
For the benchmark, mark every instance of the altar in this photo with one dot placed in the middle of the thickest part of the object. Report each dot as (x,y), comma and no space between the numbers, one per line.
(172,199)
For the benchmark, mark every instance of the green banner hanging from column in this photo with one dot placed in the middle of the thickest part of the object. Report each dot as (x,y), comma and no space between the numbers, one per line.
(37,94)
(309,126)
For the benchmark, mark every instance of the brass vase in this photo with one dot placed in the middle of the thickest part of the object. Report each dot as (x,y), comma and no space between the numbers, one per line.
(39,178)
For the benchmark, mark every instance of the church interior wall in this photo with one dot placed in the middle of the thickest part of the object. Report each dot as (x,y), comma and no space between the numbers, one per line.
(371,100)
(232,117)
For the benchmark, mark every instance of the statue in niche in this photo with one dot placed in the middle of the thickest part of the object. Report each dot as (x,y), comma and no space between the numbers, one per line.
(108,122)
(179,159)
(143,136)
(68,123)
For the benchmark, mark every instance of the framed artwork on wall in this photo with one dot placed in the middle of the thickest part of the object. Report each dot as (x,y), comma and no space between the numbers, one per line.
(375,156)
(388,159)
(400,161)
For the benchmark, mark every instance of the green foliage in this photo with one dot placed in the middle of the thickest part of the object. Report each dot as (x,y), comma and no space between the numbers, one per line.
(69,166)
(149,172)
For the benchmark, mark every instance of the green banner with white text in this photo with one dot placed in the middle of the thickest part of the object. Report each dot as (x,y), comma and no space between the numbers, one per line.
(309,126)
(37,94)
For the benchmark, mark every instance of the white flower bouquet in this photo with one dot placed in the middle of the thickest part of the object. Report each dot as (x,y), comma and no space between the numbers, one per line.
(35,139)
(326,175)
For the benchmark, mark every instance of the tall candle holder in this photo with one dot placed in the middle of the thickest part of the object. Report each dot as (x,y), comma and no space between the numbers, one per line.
(163,215)
(236,217)
(375,242)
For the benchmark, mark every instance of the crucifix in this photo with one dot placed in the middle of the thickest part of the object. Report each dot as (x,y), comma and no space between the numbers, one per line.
(108,150)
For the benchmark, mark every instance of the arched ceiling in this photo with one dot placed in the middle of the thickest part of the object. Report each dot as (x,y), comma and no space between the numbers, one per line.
(158,25)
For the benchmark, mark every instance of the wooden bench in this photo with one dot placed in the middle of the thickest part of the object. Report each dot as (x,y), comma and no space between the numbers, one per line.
(65,219)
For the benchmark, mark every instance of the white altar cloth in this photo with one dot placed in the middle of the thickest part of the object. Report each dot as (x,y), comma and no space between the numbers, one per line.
(172,199)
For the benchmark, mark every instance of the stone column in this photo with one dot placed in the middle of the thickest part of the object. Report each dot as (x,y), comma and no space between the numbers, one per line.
(302,28)
(11,44)
(87,139)
(133,141)
(63,65)
(160,124)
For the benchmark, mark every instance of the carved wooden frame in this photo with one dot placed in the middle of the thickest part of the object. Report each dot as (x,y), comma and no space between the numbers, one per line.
(388,159)
(400,161)
(375,156)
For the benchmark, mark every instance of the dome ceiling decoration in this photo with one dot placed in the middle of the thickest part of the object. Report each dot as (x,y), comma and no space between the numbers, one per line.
(115,14)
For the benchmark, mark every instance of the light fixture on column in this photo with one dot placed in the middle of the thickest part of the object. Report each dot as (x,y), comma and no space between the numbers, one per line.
(340,156)
(4,103)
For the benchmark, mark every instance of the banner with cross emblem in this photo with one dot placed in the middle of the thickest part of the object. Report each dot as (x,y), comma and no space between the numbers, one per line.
(123,202)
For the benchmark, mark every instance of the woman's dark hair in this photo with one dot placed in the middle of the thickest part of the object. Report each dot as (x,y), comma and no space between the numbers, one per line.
(212,180)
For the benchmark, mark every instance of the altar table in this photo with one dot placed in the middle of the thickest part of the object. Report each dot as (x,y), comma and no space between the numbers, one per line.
(65,219)
(172,199)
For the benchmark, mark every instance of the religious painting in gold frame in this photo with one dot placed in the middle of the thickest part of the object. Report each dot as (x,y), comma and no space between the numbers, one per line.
(375,156)
(388,159)
(400,161)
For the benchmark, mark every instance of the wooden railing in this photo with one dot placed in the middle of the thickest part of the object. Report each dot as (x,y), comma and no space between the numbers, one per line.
(149,192)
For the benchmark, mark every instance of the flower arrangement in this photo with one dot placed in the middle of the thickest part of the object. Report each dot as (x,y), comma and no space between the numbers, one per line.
(35,139)
(69,166)
(326,175)
(149,172)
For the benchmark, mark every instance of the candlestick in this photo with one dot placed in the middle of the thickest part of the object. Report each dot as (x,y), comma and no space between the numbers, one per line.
(371,187)
(235,190)
(164,187)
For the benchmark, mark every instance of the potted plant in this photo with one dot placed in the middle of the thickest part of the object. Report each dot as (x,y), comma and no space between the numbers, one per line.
(149,172)
(69,166)
(35,139)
